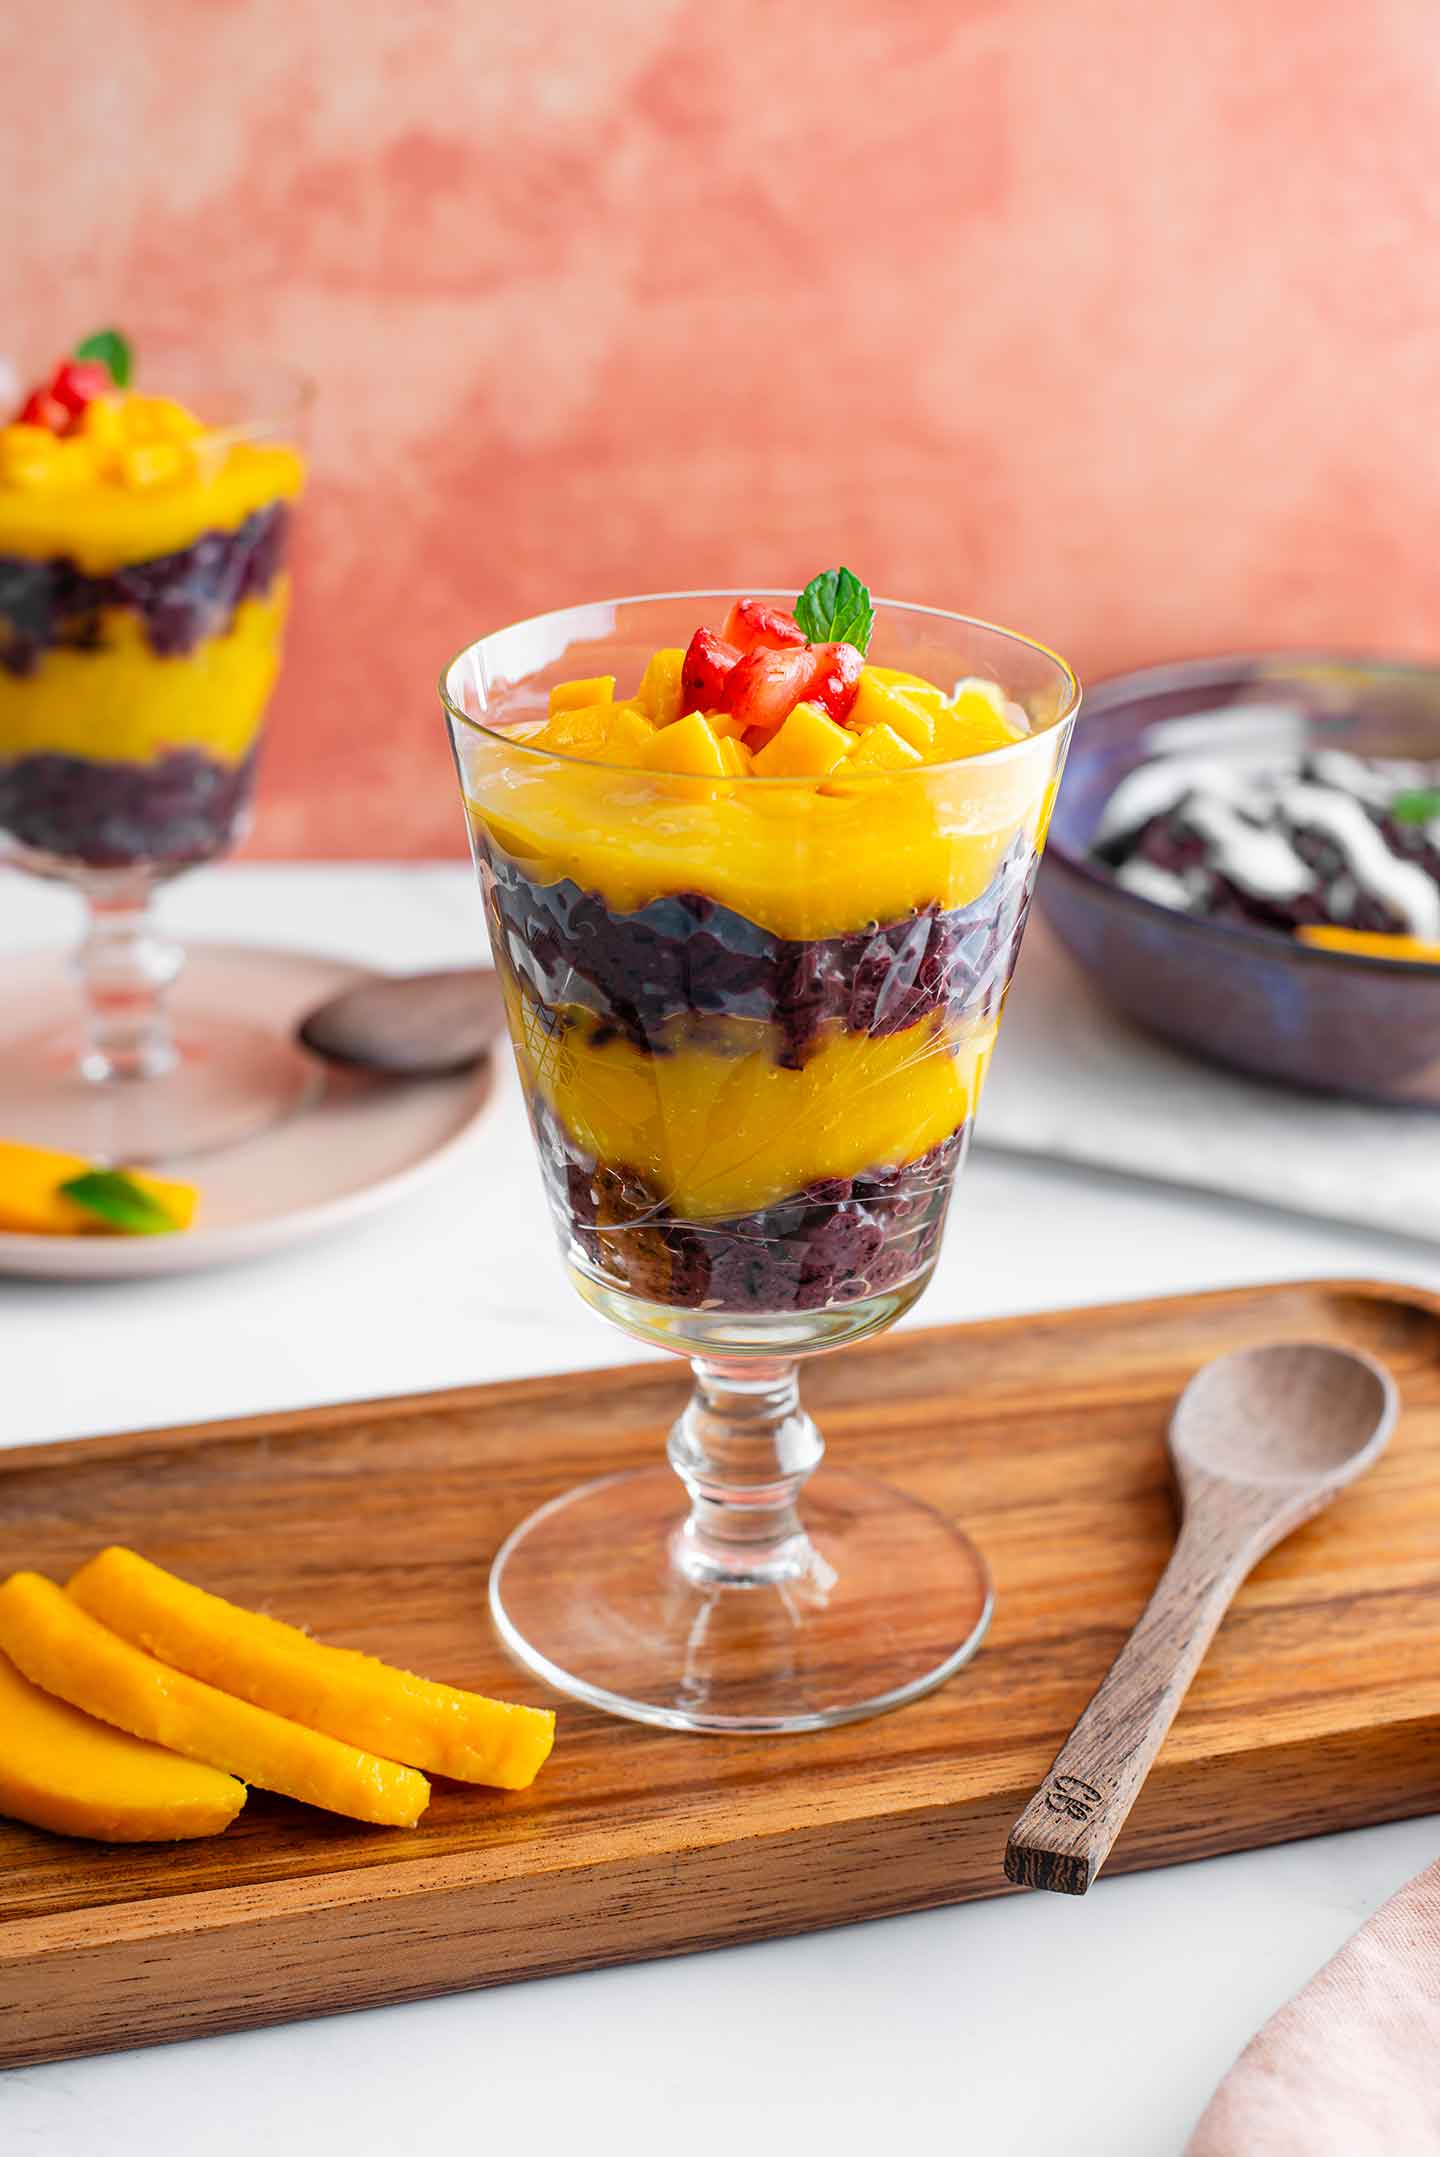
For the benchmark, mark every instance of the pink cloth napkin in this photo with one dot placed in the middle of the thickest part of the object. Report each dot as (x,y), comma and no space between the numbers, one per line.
(1351,2067)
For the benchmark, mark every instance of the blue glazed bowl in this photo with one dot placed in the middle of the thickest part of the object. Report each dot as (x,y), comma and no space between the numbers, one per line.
(1252,998)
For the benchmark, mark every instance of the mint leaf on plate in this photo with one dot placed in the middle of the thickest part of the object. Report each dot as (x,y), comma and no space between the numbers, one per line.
(112,350)
(835,608)
(1420,806)
(119,1201)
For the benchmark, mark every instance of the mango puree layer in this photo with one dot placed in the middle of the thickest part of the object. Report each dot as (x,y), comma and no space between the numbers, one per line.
(102,526)
(121,703)
(716,1127)
(802,859)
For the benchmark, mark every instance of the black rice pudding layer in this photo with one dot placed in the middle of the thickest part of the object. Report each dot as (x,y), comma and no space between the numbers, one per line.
(833,1242)
(176,809)
(690,956)
(182,598)
(660,976)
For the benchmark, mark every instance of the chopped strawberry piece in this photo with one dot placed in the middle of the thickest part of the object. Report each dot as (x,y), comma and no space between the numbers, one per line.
(75,382)
(40,409)
(836,677)
(750,623)
(704,670)
(765,686)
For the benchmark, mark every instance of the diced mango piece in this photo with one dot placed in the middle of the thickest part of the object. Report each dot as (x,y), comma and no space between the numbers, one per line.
(144,465)
(688,746)
(878,703)
(338,1690)
(807,746)
(880,748)
(973,724)
(61,1648)
(31,1203)
(659,693)
(102,425)
(64,1771)
(975,685)
(739,763)
(576,696)
(897,678)
(157,419)
(601,733)
(28,455)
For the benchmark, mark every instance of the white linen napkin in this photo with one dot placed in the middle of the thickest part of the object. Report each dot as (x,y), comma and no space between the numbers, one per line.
(1074,1081)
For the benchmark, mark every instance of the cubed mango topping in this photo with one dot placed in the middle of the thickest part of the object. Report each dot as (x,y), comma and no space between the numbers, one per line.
(601,733)
(659,692)
(578,695)
(687,746)
(806,745)
(794,699)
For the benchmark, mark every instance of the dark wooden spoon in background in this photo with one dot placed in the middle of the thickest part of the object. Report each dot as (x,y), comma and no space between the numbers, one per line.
(409,1025)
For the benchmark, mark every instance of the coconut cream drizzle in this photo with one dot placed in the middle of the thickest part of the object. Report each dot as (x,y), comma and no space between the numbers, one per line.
(1251,812)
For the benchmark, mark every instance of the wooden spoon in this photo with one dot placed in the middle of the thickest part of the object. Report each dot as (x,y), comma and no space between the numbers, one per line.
(1260,1441)
(409,1025)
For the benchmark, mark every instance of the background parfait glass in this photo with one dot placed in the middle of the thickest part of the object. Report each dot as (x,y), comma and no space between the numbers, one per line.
(751,1018)
(139,644)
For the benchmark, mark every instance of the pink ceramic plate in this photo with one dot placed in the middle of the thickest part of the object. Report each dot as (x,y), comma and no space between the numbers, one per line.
(358,1146)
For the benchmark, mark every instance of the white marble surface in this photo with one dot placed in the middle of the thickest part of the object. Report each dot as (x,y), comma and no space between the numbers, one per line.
(1095,2029)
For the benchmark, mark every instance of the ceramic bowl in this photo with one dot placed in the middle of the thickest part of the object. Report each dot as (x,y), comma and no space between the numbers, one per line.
(1252,998)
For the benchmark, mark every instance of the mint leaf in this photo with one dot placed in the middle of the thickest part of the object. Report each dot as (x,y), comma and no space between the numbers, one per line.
(118,1200)
(1420,806)
(835,608)
(112,350)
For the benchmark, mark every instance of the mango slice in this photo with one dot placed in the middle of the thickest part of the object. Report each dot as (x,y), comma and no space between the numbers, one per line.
(62,1770)
(1369,943)
(31,1203)
(336,1690)
(61,1648)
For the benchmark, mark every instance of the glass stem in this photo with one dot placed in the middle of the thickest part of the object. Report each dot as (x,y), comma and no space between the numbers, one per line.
(744,1448)
(126,968)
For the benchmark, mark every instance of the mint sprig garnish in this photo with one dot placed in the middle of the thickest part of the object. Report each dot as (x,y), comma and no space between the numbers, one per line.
(112,350)
(1421,805)
(835,608)
(119,1201)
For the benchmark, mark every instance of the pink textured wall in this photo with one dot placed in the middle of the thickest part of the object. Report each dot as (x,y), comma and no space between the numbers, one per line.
(1116,319)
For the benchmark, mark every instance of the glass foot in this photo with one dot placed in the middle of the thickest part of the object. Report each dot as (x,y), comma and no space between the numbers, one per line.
(231,1080)
(890,1599)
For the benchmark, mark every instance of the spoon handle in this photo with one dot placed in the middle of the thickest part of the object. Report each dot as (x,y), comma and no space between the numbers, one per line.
(1067,1830)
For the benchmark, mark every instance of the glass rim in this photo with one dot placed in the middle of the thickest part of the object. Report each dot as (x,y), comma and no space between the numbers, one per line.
(255,376)
(1008,750)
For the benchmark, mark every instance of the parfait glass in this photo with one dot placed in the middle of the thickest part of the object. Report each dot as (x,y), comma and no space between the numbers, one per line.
(751,1018)
(140,634)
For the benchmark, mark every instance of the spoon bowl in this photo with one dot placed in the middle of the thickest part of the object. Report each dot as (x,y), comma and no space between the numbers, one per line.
(1294,1413)
(409,1025)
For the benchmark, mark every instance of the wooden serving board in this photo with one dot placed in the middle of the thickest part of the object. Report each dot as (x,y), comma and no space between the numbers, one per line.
(374,1524)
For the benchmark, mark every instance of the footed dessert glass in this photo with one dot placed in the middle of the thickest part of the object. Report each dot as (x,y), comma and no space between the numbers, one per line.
(143,594)
(751,1018)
